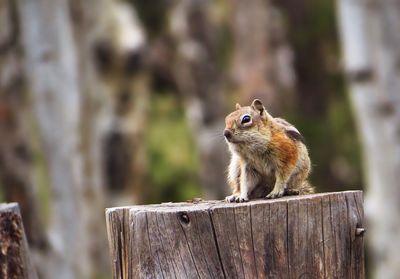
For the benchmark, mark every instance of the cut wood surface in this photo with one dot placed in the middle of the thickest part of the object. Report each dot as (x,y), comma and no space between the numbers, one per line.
(313,236)
(14,253)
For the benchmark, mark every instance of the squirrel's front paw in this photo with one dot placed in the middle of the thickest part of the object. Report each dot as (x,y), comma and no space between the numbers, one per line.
(275,194)
(236,198)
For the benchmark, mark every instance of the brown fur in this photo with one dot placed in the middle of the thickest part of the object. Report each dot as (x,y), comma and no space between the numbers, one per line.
(267,153)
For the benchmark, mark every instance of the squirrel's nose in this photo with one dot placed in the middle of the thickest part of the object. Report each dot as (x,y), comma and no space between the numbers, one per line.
(227,133)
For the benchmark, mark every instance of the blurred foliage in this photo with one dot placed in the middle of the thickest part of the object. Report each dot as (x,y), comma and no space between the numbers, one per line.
(323,112)
(333,147)
(321,109)
(152,14)
(172,156)
(326,122)
(173,160)
(219,16)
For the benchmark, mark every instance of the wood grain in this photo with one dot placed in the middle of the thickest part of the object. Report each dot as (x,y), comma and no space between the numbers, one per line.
(311,236)
(14,253)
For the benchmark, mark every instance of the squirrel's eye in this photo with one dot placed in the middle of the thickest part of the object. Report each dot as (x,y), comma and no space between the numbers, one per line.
(245,119)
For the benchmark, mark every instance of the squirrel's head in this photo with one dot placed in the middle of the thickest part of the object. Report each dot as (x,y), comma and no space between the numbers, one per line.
(246,124)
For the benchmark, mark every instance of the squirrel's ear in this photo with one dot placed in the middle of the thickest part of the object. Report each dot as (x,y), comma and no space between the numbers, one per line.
(237,106)
(258,106)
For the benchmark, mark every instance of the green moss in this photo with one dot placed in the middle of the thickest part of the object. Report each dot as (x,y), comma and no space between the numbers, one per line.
(323,18)
(173,160)
(41,173)
(343,128)
(225,44)
(224,48)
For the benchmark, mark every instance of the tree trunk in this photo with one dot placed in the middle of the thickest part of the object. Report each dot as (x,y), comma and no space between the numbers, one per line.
(15,260)
(52,68)
(315,236)
(127,79)
(89,21)
(312,87)
(262,59)
(16,158)
(371,49)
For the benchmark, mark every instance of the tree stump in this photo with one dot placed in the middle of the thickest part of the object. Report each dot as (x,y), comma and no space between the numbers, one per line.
(14,253)
(313,236)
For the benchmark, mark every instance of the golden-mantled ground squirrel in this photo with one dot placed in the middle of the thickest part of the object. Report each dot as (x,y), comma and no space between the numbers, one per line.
(268,155)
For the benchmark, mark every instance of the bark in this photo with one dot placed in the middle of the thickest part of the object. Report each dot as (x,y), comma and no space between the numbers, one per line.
(200,84)
(317,236)
(371,49)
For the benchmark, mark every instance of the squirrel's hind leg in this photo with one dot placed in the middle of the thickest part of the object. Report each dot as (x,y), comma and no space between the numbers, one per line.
(279,188)
(298,184)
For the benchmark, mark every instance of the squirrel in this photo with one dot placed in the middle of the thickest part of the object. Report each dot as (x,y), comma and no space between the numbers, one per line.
(268,155)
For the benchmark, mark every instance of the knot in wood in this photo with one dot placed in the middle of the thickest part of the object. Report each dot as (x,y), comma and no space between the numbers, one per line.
(184,218)
(360,231)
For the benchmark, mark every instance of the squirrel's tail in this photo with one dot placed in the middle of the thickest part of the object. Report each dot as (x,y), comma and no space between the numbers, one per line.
(305,189)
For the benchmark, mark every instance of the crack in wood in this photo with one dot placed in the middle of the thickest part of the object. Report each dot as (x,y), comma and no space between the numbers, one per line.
(187,244)
(162,244)
(216,243)
(237,240)
(151,250)
(252,240)
(201,244)
(323,236)
(287,238)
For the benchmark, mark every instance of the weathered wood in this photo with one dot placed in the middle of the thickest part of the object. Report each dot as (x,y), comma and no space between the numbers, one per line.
(14,253)
(312,236)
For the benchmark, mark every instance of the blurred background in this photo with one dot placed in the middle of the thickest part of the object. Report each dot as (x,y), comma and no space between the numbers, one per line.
(107,103)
